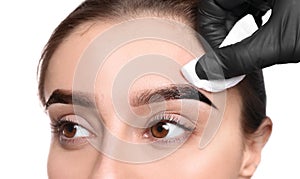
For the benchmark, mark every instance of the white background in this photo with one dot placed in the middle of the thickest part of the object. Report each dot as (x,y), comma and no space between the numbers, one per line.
(25,131)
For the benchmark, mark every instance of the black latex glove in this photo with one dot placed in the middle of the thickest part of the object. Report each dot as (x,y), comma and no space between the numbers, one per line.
(277,42)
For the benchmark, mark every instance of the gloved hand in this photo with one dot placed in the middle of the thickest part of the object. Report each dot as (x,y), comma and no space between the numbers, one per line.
(277,42)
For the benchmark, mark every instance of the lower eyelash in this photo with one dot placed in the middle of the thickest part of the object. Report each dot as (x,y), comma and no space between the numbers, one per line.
(78,141)
(176,140)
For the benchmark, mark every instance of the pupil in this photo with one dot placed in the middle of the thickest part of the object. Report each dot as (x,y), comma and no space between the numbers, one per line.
(160,128)
(69,130)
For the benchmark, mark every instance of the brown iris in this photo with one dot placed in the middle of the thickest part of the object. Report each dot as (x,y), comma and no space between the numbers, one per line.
(160,130)
(69,130)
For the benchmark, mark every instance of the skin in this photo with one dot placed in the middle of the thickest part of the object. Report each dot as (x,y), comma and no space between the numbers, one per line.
(228,155)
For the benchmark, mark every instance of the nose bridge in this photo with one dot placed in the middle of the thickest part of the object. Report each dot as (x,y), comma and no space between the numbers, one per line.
(118,127)
(109,146)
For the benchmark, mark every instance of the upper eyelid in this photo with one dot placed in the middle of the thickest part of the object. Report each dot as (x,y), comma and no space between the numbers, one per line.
(153,118)
(156,118)
(83,123)
(59,111)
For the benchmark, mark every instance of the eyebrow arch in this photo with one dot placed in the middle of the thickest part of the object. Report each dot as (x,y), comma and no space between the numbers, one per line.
(70,97)
(171,92)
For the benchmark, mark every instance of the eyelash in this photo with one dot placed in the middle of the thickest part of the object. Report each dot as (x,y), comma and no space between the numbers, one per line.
(57,127)
(174,119)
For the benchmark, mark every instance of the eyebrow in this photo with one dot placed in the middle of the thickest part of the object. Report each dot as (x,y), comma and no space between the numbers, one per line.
(70,97)
(171,92)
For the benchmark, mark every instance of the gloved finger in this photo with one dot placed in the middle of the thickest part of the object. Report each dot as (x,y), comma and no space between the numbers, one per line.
(239,8)
(229,4)
(213,22)
(260,50)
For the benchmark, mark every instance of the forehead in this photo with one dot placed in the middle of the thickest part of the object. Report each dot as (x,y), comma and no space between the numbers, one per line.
(161,44)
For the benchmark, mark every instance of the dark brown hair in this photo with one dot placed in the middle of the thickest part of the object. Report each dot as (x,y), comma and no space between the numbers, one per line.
(251,88)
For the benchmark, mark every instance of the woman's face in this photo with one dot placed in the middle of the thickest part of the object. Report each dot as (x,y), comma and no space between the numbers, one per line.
(175,124)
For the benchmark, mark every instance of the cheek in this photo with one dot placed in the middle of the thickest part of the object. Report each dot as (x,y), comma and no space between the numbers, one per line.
(194,163)
(225,152)
(221,160)
(70,164)
(223,156)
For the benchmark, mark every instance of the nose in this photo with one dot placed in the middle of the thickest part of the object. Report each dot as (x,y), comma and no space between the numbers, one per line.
(111,151)
(107,168)
(115,148)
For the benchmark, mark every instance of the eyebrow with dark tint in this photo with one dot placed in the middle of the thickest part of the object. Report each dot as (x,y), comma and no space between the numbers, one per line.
(70,97)
(172,92)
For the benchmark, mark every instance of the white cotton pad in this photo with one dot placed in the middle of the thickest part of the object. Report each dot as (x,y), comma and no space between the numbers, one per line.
(241,30)
(189,73)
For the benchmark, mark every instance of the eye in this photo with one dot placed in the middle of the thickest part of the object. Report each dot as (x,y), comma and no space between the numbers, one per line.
(169,129)
(70,131)
(166,130)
